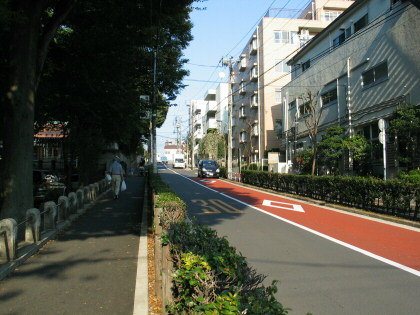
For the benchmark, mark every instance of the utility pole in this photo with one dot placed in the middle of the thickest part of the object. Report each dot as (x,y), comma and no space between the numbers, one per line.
(191,130)
(178,135)
(154,112)
(228,62)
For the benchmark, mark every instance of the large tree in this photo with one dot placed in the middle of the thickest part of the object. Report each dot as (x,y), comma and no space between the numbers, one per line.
(331,149)
(311,111)
(405,130)
(30,27)
(102,60)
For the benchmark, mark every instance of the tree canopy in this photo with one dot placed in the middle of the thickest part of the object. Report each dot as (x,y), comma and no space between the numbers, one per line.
(102,57)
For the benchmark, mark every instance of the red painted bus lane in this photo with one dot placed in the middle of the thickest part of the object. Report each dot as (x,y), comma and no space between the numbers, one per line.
(397,244)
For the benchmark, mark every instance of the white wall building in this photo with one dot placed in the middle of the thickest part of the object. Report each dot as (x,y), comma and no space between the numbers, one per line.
(209,113)
(363,66)
(261,71)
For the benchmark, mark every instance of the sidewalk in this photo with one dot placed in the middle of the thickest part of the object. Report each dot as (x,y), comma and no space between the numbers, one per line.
(91,267)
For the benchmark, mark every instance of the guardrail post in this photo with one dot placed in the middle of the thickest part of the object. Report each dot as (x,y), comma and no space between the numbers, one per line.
(97,189)
(8,232)
(33,223)
(63,208)
(73,202)
(80,198)
(86,194)
(92,189)
(50,209)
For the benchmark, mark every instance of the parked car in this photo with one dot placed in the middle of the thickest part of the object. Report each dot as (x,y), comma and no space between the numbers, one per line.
(46,184)
(208,168)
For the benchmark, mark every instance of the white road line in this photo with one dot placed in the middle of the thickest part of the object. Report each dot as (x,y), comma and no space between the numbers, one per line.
(357,249)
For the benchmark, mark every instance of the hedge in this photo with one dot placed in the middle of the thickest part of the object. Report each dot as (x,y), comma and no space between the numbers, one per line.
(398,197)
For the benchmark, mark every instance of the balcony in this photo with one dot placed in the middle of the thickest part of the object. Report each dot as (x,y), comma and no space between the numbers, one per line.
(254,100)
(243,137)
(242,63)
(253,74)
(242,113)
(254,131)
(242,88)
(253,45)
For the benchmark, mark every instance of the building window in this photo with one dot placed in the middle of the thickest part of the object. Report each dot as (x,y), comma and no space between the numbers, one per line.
(303,109)
(361,23)
(375,75)
(331,15)
(306,65)
(277,96)
(339,39)
(329,97)
(371,133)
(281,66)
(292,104)
(286,37)
(278,127)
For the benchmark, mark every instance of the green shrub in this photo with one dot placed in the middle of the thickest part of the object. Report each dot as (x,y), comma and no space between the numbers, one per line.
(211,278)
(412,176)
(223,172)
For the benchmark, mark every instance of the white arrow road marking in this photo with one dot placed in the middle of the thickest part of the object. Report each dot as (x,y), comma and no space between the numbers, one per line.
(283,205)
(207,181)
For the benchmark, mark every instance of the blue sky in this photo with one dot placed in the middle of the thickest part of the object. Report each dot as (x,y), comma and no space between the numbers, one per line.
(222,30)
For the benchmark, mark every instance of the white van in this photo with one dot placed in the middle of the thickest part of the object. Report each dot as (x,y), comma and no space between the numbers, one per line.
(179,162)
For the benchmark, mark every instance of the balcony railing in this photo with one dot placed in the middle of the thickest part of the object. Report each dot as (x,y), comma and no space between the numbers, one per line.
(253,46)
(242,63)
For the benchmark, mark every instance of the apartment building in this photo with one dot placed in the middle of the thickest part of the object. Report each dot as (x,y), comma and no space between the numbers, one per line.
(359,69)
(262,70)
(209,113)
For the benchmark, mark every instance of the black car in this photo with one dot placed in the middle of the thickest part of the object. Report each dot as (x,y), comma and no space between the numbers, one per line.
(208,168)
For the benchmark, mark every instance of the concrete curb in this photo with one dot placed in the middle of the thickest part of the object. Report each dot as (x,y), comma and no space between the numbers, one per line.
(141,294)
(27,251)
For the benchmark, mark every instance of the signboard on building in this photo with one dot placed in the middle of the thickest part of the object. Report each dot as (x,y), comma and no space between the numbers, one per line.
(273,158)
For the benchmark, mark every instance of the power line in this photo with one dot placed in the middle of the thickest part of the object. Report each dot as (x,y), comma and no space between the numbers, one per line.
(197,65)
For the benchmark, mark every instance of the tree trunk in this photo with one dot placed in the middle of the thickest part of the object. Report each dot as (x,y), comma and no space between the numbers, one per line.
(28,48)
(16,194)
(314,160)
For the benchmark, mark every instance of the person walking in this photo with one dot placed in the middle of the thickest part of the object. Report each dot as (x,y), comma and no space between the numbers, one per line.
(117,174)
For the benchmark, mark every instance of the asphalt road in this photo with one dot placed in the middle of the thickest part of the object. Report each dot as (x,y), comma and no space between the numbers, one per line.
(316,274)
(89,269)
